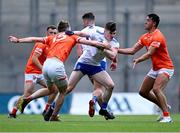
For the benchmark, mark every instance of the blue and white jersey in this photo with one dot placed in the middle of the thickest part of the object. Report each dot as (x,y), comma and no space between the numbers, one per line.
(92,55)
(90,50)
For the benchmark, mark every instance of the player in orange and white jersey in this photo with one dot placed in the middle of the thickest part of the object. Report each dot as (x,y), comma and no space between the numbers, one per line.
(33,70)
(162,67)
(60,47)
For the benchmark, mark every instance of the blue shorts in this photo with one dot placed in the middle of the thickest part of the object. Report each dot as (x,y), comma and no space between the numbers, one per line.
(88,69)
(103,65)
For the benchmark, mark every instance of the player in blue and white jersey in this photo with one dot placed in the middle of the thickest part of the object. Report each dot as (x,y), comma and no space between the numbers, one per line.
(92,62)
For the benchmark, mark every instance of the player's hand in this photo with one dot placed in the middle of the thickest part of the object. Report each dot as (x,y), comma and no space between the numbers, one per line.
(107,45)
(103,46)
(13,39)
(113,66)
(135,61)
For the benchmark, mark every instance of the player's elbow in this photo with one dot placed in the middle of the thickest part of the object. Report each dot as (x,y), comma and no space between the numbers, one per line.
(112,56)
(149,54)
(132,52)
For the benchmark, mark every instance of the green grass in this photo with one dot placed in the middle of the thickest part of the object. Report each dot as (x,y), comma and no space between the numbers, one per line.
(82,123)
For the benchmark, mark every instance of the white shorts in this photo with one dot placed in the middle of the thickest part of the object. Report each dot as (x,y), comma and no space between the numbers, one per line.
(153,74)
(35,78)
(53,71)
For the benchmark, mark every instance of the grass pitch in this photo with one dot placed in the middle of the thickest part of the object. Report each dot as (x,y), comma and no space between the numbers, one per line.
(83,123)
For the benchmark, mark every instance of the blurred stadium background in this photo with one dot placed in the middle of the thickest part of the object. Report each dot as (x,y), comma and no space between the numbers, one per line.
(30,18)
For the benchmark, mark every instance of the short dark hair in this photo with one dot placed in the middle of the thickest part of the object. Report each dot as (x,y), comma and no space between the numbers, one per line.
(88,15)
(63,26)
(51,27)
(154,18)
(111,26)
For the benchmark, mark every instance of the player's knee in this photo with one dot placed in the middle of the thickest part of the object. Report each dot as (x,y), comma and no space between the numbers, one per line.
(98,92)
(51,91)
(63,89)
(156,90)
(142,93)
(27,93)
(70,88)
(111,86)
(61,85)
(55,89)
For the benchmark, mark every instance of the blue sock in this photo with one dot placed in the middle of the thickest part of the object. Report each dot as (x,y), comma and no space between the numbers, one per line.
(53,105)
(94,99)
(104,106)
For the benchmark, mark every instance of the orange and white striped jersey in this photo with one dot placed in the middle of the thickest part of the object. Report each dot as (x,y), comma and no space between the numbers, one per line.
(60,45)
(160,59)
(42,50)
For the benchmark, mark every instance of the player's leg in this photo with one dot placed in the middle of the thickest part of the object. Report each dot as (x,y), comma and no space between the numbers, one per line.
(54,72)
(147,85)
(48,70)
(104,79)
(51,100)
(51,97)
(62,86)
(98,88)
(159,85)
(28,90)
(51,90)
(97,97)
(98,93)
(37,94)
(74,78)
(43,91)
(146,90)
(43,83)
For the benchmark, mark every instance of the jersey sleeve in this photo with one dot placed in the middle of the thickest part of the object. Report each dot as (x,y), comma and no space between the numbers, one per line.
(140,40)
(156,41)
(76,37)
(156,44)
(47,39)
(40,47)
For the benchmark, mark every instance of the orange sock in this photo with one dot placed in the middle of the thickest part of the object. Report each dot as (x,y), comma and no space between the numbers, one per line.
(47,106)
(14,110)
(165,113)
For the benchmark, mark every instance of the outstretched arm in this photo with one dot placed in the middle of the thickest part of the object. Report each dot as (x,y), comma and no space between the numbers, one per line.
(147,55)
(82,34)
(111,54)
(95,43)
(25,40)
(131,50)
